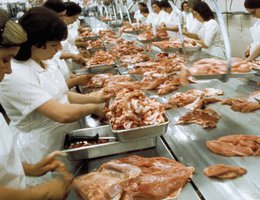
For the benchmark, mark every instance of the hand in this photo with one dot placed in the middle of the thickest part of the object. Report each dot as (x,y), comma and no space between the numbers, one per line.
(78,59)
(99,111)
(83,79)
(48,163)
(106,94)
(56,189)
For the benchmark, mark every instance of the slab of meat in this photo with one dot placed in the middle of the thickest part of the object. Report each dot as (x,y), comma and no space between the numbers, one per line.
(207,118)
(95,44)
(133,109)
(133,59)
(181,99)
(126,49)
(175,43)
(135,178)
(102,80)
(241,105)
(100,58)
(235,145)
(149,36)
(216,66)
(222,171)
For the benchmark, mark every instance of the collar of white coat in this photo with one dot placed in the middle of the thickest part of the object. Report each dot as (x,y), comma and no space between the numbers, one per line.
(34,65)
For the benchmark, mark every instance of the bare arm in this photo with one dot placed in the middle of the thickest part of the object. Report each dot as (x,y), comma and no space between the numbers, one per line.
(85,98)
(77,80)
(201,42)
(191,35)
(74,57)
(67,113)
(254,55)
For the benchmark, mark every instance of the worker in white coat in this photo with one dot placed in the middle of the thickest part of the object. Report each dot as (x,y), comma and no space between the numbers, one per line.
(158,16)
(209,36)
(185,9)
(192,25)
(253,7)
(13,170)
(172,17)
(42,108)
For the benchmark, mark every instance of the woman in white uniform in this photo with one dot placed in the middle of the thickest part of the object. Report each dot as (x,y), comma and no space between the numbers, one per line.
(40,106)
(253,7)
(12,169)
(171,21)
(192,25)
(185,9)
(209,36)
(158,16)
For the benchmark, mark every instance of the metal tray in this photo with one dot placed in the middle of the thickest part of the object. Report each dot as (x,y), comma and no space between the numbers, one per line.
(93,50)
(144,132)
(153,40)
(90,38)
(106,149)
(102,68)
(219,76)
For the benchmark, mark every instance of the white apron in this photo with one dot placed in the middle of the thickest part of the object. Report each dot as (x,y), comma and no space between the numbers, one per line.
(11,169)
(255,33)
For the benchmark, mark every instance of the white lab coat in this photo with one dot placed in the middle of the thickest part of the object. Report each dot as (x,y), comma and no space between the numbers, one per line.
(150,18)
(11,169)
(185,15)
(192,24)
(140,17)
(255,33)
(171,19)
(211,35)
(61,64)
(161,17)
(21,93)
(68,45)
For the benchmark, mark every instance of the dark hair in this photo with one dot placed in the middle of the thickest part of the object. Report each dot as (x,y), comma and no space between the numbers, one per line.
(72,9)
(142,4)
(165,4)
(182,5)
(252,4)
(157,3)
(41,25)
(204,10)
(193,2)
(55,5)
(144,10)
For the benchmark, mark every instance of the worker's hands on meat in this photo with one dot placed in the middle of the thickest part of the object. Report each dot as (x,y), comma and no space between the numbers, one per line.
(78,59)
(48,163)
(83,79)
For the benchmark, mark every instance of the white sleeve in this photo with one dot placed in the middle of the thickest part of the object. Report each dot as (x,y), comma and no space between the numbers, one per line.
(23,92)
(210,31)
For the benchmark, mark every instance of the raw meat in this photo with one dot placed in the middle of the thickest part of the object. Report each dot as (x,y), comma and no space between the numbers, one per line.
(100,58)
(241,105)
(222,171)
(135,178)
(216,66)
(235,145)
(207,118)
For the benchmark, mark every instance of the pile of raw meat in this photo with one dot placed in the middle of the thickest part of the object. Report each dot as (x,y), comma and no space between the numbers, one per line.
(175,43)
(210,66)
(94,44)
(149,36)
(236,145)
(100,58)
(102,80)
(135,178)
(241,105)
(133,109)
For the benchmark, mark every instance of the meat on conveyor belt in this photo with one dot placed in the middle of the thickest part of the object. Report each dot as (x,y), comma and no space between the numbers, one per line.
(236,145)
(135,178)
(181,99)
(241,105)
(210,66)
(207,118)
(222,171)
